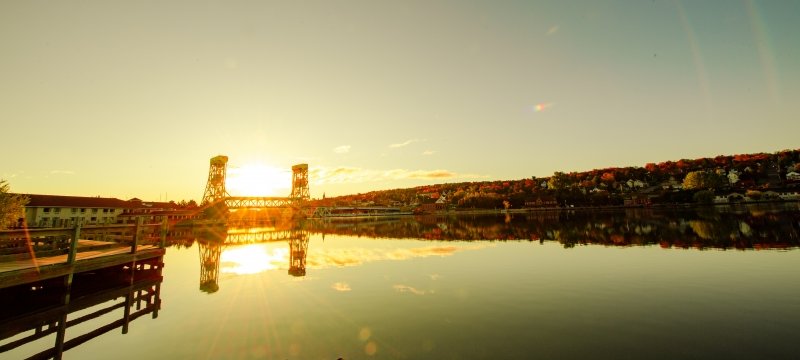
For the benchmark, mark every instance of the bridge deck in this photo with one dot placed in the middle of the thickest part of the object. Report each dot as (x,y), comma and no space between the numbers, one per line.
(241,202)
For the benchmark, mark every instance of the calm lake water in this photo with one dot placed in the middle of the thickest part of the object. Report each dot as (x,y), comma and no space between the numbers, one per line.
(705,284)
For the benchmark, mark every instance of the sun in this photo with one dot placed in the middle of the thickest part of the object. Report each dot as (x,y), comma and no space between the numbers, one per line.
(257,180)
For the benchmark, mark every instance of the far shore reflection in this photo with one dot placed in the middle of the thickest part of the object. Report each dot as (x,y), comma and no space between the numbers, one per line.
(704,228)
(263,247)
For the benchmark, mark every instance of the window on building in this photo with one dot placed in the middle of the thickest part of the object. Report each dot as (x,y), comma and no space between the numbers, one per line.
(94,211)
(83,210)
(47,210)
(94,219)
(105,210)
(74,210)
(57,210)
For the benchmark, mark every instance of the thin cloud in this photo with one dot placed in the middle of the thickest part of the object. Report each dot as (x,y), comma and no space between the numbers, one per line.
(428,152)
(340,175)
(405,143)
(63,172)
(552,30)
(342,149)
(344,170)
(408,289)
(341,287)
(433,174)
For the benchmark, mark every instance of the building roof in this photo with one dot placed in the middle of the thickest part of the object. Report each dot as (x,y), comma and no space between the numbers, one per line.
(160,205)
(75,201)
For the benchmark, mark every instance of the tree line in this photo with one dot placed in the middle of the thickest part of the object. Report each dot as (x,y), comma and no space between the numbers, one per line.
(682,181)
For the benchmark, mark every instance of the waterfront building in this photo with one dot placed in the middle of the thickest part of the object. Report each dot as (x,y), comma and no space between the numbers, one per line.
(156,212)
(53,211)
(66,211)
(541,201)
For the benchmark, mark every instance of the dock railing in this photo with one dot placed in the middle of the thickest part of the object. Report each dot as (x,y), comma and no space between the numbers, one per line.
(21,244)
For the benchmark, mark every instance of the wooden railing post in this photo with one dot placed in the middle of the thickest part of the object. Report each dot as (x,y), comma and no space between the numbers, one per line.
(137,233)
(73,245)
(163,242)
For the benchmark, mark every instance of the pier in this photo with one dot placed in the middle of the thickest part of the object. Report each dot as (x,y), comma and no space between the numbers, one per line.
(54,307)
(31,255)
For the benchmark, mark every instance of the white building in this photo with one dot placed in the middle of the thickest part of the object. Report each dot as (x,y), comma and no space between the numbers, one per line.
(65,211)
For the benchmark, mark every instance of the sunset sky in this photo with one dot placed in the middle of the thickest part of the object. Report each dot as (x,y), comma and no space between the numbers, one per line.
(132,98)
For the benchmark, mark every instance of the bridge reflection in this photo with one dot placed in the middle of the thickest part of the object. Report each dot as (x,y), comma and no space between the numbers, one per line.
(75,302)
(213,242)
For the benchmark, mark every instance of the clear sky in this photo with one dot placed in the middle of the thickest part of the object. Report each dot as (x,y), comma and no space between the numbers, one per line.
(132,98)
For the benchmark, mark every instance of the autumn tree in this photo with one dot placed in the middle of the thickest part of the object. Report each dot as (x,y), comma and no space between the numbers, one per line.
(12,206)
(702,180)
(558,181)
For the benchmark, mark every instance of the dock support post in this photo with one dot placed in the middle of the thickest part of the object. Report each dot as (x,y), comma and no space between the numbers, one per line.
(157,301)
(126,318)
(73,245)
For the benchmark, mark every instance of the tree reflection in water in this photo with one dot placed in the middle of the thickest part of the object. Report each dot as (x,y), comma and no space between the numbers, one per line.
(740,228)
(726,228)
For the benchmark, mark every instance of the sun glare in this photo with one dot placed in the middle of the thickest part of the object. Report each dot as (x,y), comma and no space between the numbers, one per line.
(258,180)
(252,259)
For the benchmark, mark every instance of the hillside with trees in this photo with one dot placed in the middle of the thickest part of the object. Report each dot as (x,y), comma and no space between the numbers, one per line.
(760,176)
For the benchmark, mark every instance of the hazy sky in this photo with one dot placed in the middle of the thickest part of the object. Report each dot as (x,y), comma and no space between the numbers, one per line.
(132,98)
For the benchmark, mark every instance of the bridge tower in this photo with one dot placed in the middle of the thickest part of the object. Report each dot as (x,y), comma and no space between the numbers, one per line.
(209,265)
(297,254)
(215,188)
(300,182)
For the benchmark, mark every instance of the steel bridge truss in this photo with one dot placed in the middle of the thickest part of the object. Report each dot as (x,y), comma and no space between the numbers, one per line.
(215,189)
(252,202)
(265,236)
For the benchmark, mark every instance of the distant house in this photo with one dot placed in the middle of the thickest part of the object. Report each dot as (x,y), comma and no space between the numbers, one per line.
(541,201)
(151,211)
(790,195)
(637,200)
(793,176)
(429,208)
(636,184)
(672,184)
(746,183)
(66,211)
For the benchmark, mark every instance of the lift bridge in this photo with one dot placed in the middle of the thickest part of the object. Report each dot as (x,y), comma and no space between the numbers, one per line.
(211,244)
(216,193)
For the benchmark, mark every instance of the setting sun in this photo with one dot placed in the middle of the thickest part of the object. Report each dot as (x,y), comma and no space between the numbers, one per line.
(258,180)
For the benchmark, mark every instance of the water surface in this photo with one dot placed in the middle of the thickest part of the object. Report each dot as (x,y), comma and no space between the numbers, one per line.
(637,284)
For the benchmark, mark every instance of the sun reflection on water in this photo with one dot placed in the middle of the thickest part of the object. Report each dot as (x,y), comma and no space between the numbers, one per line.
(252,259)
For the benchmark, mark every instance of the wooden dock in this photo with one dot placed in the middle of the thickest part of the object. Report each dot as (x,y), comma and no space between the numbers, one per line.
(92,304)
(31,255)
